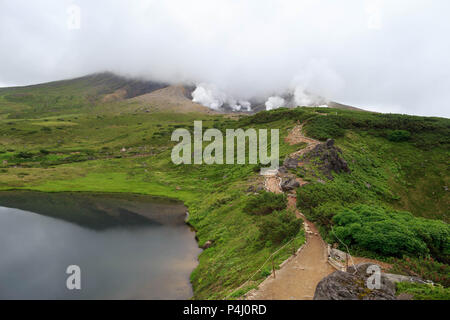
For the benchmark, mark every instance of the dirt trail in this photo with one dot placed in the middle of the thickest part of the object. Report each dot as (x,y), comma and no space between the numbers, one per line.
(296,136)
(272,184)
(298,278)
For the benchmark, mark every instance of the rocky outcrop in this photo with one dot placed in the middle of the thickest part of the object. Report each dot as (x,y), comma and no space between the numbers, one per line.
(328,158)
(255,188)
(290,163)
(352,285)
(288,184)
(399,278)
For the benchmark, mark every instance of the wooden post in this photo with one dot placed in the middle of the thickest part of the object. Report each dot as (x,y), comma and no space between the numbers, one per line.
(273,269)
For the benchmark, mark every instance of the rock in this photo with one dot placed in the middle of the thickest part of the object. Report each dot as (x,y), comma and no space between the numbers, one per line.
(289,184)
(256,188)
(329,143)
(400,278)
(207,244)
(290,163)
(338,254)
(361,270)
(328,158)
(282,170)
(352,285)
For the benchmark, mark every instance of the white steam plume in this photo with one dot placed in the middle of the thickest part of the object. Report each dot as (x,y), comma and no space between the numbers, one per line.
(210,96)
(274,102)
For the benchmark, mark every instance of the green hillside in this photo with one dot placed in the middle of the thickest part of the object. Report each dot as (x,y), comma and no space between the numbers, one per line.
(70,96)
(65,136)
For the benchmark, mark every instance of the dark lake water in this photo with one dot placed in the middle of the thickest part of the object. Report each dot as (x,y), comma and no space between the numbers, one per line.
(127,246)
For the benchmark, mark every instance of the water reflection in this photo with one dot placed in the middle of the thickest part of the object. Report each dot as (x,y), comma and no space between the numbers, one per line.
(128,247)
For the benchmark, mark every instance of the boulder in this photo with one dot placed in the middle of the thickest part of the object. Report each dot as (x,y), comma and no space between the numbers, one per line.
(400,278)
(282,170)
(338,254)
(259,188)
(289,184)
(329,143)
(328,158)
(290,163)
(352,285)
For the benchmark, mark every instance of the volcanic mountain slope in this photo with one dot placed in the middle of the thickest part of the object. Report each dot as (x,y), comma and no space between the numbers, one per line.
(174,98)
(97,84)
(107,91)
(100,92)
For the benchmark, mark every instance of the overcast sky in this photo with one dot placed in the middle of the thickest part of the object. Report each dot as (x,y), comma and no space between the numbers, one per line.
(389,56)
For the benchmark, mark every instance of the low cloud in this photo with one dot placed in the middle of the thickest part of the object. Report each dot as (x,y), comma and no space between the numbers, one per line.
(372,54)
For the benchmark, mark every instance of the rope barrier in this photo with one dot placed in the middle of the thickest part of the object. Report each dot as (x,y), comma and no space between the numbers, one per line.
(259,268)
(346,248)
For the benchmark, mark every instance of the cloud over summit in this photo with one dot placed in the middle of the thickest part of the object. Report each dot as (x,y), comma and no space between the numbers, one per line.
(389,56)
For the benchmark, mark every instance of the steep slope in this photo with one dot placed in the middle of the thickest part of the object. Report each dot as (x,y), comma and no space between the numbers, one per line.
(173,98)
(74,95)
(97,84)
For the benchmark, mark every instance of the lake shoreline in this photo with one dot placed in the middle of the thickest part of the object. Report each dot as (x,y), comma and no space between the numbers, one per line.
(159,199)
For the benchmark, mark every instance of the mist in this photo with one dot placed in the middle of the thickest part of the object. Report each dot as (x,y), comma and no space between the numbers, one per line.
(387,56)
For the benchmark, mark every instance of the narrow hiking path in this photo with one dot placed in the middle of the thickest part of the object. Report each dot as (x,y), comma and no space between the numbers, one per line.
(298,278)
(272,184)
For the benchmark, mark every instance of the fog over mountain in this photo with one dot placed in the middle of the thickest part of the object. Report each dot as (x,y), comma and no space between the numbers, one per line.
(389,56)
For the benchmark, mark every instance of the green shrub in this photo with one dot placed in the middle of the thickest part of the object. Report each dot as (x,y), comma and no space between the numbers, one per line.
(314,194)
(24,155)
(399,135)
(324,127)
(391,233)
(424,291)
(279,226)
(323,214)
(425,268)
(265,203)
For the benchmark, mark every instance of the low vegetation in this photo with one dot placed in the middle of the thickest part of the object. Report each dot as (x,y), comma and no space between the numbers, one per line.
(425,268)
(423,291)
(279,227)
(391,233)
(265,203)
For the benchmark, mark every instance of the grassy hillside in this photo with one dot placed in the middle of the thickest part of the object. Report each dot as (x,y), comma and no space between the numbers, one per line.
(70,96)
(83,144)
